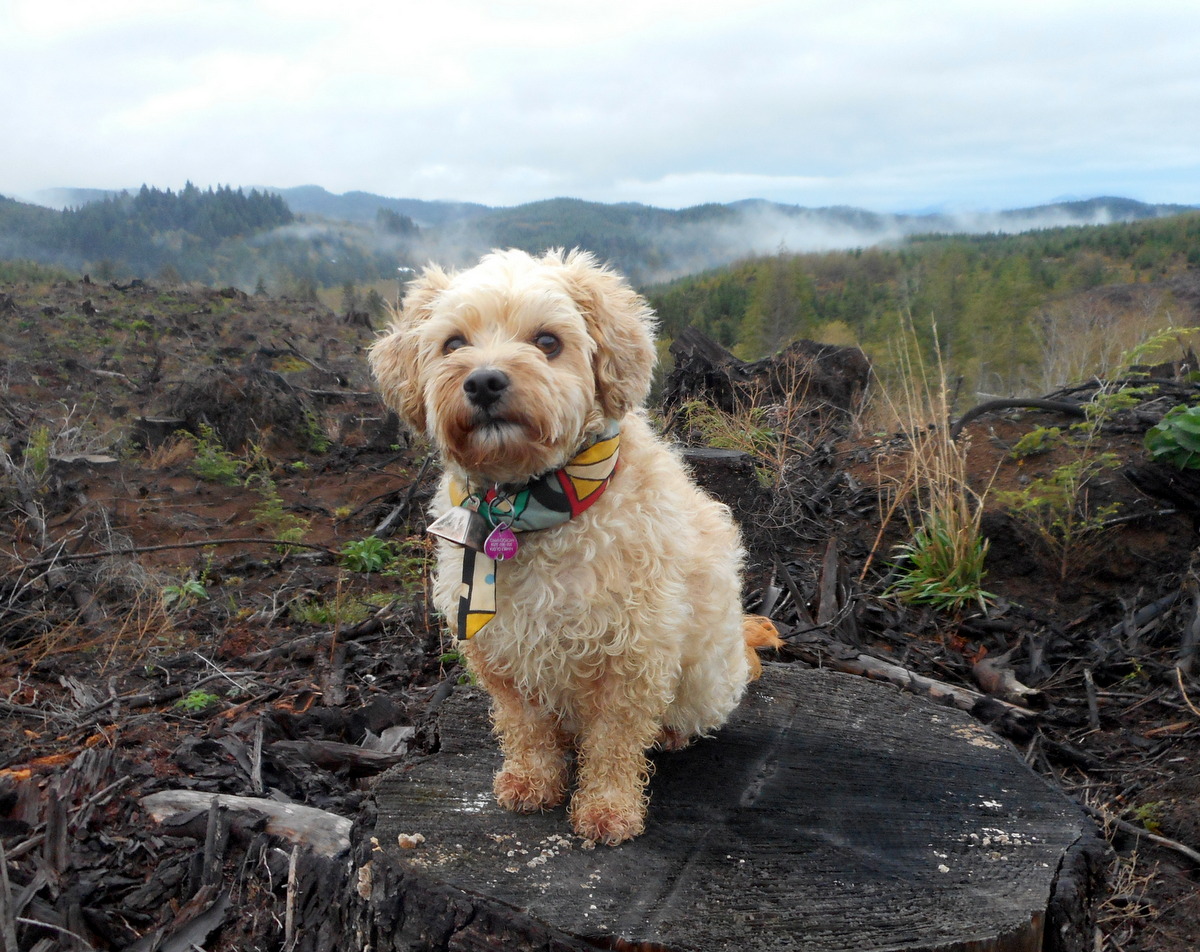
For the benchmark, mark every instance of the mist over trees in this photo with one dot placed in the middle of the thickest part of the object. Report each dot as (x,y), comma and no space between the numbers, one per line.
(1012,313)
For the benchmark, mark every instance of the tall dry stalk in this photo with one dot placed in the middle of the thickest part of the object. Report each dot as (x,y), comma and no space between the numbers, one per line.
(943,564)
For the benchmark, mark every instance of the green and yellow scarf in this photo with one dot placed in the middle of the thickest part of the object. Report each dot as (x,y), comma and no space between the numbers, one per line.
(549,500)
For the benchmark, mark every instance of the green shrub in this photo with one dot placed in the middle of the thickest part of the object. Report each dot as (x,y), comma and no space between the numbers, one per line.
(371,554)
(1175,439)
(213,462)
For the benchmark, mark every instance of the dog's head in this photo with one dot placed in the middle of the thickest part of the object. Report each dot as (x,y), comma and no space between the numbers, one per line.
(510,365)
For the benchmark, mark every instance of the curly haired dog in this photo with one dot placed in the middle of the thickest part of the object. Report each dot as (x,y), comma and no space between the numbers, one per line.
(597,590)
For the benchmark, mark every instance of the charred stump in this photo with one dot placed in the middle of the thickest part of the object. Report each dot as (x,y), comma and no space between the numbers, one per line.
(830,813)
(823,377)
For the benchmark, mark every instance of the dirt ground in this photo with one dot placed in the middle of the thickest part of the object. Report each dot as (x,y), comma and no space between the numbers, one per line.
(179,613)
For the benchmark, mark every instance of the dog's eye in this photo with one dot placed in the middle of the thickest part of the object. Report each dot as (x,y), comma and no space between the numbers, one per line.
(548,344)
(453,343)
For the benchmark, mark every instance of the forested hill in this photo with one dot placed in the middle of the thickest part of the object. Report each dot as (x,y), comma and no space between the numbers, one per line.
(359,237)
(1013,313)
(148,232)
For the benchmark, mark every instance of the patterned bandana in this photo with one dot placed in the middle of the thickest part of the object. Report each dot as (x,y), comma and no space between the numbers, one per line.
(550,500)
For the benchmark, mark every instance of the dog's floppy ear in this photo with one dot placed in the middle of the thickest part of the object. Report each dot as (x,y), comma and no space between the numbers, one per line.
(622,325)
(394,356)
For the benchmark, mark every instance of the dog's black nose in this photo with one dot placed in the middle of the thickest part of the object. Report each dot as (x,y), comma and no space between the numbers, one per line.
(485,386)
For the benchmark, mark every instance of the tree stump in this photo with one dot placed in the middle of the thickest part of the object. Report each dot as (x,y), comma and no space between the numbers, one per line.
(831,813)
(823,377)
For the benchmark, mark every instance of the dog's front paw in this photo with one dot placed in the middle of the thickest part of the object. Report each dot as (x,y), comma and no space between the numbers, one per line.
(528,792)
(607,823)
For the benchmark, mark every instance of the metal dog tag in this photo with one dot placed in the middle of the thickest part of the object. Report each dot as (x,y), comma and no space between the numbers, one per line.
(501,544)
(462,527)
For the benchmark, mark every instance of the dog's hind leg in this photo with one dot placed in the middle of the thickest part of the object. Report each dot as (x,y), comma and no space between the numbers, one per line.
(534,774)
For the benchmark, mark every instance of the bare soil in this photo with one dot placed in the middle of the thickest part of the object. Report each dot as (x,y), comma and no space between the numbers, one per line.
(142,650)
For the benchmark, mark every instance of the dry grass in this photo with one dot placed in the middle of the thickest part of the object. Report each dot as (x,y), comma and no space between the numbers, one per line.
(943,564)
(174,452)
(772,431)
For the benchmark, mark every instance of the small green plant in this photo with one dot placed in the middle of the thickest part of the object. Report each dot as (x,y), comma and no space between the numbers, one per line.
(314,433)
(196,701)
(455,657)
(185,593)
(371,554)
(1057,508)
(343,610)
(1175,439)
(410,564)
(213,462)
(271,514)
(1041,439)
(37,452)
(1149,815)
(943,567)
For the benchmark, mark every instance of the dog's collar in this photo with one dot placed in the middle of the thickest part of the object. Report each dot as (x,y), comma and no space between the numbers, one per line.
(483,522)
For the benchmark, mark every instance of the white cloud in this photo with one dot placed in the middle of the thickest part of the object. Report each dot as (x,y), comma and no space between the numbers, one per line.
(880,103)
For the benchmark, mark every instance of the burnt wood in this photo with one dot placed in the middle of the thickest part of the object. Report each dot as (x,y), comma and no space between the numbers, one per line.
(831,813)
(824,377)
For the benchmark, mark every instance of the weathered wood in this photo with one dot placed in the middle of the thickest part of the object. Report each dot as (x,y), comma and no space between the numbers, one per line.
(831,813)
(326,833)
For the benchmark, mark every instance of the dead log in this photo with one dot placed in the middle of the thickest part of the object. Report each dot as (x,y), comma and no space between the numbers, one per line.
(325,833)
(333,755)
(830,813)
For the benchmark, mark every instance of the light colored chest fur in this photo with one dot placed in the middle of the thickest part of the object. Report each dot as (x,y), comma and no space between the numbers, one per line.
(618,585)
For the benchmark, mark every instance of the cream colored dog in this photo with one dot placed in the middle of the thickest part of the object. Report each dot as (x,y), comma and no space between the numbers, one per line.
(615,625)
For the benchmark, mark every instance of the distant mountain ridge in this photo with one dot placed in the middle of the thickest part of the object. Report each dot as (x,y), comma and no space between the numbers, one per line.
(359,236)
(363,207)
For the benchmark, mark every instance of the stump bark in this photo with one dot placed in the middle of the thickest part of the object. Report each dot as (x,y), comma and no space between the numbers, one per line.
(831,813)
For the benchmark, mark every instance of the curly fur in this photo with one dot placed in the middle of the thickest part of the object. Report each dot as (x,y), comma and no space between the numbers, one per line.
(621,627)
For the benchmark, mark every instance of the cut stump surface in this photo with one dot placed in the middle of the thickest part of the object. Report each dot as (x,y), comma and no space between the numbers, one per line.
(830,813)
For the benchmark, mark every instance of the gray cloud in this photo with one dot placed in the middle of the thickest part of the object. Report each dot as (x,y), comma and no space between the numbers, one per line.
(874,103)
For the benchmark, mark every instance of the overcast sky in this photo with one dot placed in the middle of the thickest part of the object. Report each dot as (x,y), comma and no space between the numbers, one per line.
(884,104)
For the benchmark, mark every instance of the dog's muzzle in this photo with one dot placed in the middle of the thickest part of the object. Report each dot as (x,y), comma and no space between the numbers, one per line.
(485,386)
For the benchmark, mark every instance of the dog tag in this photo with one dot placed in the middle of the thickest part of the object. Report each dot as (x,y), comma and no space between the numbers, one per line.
(501,544)
(462,527)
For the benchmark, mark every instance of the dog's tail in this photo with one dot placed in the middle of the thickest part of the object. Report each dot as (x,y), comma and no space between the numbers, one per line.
(758,632)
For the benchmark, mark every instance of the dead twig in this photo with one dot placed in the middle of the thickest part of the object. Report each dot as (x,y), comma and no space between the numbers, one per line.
(200,544)
(1183,691)
(1132,828)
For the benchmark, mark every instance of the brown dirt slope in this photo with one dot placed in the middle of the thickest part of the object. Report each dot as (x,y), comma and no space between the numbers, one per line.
(175,611)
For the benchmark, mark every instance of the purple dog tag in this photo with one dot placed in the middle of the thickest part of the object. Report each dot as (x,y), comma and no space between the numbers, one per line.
(501,544)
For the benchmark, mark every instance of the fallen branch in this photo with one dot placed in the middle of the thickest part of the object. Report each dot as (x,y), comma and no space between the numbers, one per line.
(1022,403)
(200,544)
(327,833)
(155,698)
(1132,828)
(385,528)
(821,651)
